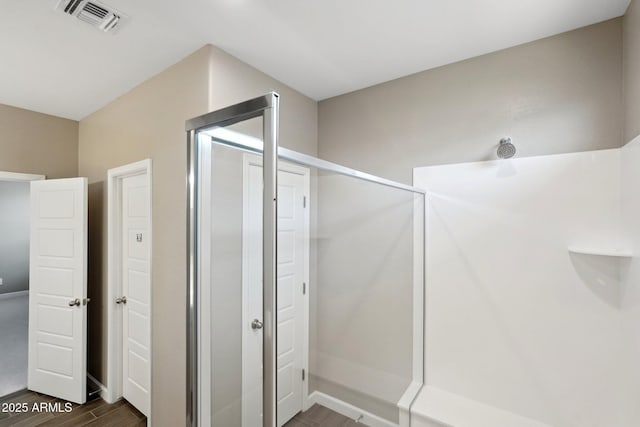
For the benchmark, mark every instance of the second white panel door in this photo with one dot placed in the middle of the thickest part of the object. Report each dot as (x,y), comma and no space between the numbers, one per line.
(136,288)
(291,284)
(292,257)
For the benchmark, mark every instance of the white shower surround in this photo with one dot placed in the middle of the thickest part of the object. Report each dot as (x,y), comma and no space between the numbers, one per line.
(515,323)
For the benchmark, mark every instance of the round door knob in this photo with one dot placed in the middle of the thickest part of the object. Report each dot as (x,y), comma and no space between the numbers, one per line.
(121,300)
(256,324)
(74,302)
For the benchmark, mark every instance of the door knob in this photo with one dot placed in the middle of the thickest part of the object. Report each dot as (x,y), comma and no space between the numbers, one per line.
(86,301)
(121,300)
(74,302)
(256,324)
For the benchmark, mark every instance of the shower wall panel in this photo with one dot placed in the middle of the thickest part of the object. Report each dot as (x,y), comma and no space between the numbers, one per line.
(515,320)
(630,289)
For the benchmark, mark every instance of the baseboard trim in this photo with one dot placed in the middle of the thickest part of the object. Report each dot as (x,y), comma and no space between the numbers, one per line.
(104,393)
(348,410)
(13,294)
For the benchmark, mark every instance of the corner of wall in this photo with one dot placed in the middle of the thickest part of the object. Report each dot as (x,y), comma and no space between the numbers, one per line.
(232,80)
(210,72)
(631,71)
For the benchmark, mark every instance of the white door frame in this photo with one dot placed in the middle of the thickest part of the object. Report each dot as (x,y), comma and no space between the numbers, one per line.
(114,282)
(13,176)
(247,161)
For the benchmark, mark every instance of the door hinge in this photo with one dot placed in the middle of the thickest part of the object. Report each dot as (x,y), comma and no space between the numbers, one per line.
(304,201)
(304,288)
(303,375)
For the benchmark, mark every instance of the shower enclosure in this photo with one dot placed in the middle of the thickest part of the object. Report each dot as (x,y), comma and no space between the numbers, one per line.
(305,281)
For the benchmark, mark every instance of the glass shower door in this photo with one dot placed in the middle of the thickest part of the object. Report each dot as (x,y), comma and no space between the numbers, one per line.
(232,275)
(309,309)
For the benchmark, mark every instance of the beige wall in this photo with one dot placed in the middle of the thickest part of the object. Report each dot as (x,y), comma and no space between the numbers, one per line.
(148,122)
(37,143)
(559,94)
(233,81)
(631,71)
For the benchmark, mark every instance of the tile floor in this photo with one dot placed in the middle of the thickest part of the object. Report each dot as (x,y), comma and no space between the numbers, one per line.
(319,416)
(96,413)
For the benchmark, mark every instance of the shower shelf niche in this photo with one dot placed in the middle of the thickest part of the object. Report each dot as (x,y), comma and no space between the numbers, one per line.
(611,252)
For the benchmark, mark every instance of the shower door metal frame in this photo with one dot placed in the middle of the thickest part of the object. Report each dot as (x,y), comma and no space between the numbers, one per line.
(267,107)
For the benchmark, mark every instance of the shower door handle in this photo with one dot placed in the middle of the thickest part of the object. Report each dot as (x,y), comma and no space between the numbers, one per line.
(256,324)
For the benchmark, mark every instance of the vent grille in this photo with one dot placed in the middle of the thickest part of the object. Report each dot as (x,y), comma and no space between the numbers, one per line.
(95,10)
(94,13)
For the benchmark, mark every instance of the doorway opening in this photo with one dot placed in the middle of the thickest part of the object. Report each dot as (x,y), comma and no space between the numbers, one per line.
(14,279)
(129,285)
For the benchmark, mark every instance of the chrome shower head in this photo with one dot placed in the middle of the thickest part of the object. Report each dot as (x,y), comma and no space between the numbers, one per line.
(506,149)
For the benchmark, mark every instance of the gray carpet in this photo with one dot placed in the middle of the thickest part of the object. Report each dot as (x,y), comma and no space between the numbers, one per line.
(14,326)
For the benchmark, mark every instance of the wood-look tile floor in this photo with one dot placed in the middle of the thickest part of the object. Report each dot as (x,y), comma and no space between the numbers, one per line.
(96,413)
(319,416)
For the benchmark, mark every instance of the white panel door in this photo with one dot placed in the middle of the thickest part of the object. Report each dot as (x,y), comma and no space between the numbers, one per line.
(58,289)
(136,288)
(291,206)
(292,254)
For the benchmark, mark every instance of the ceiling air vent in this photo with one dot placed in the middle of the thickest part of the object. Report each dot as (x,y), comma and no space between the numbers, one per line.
(94,13)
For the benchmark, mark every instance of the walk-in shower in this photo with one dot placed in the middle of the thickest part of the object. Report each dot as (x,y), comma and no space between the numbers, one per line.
(305,280)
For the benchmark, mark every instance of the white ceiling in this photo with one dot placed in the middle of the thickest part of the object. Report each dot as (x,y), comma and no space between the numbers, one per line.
(52,63)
